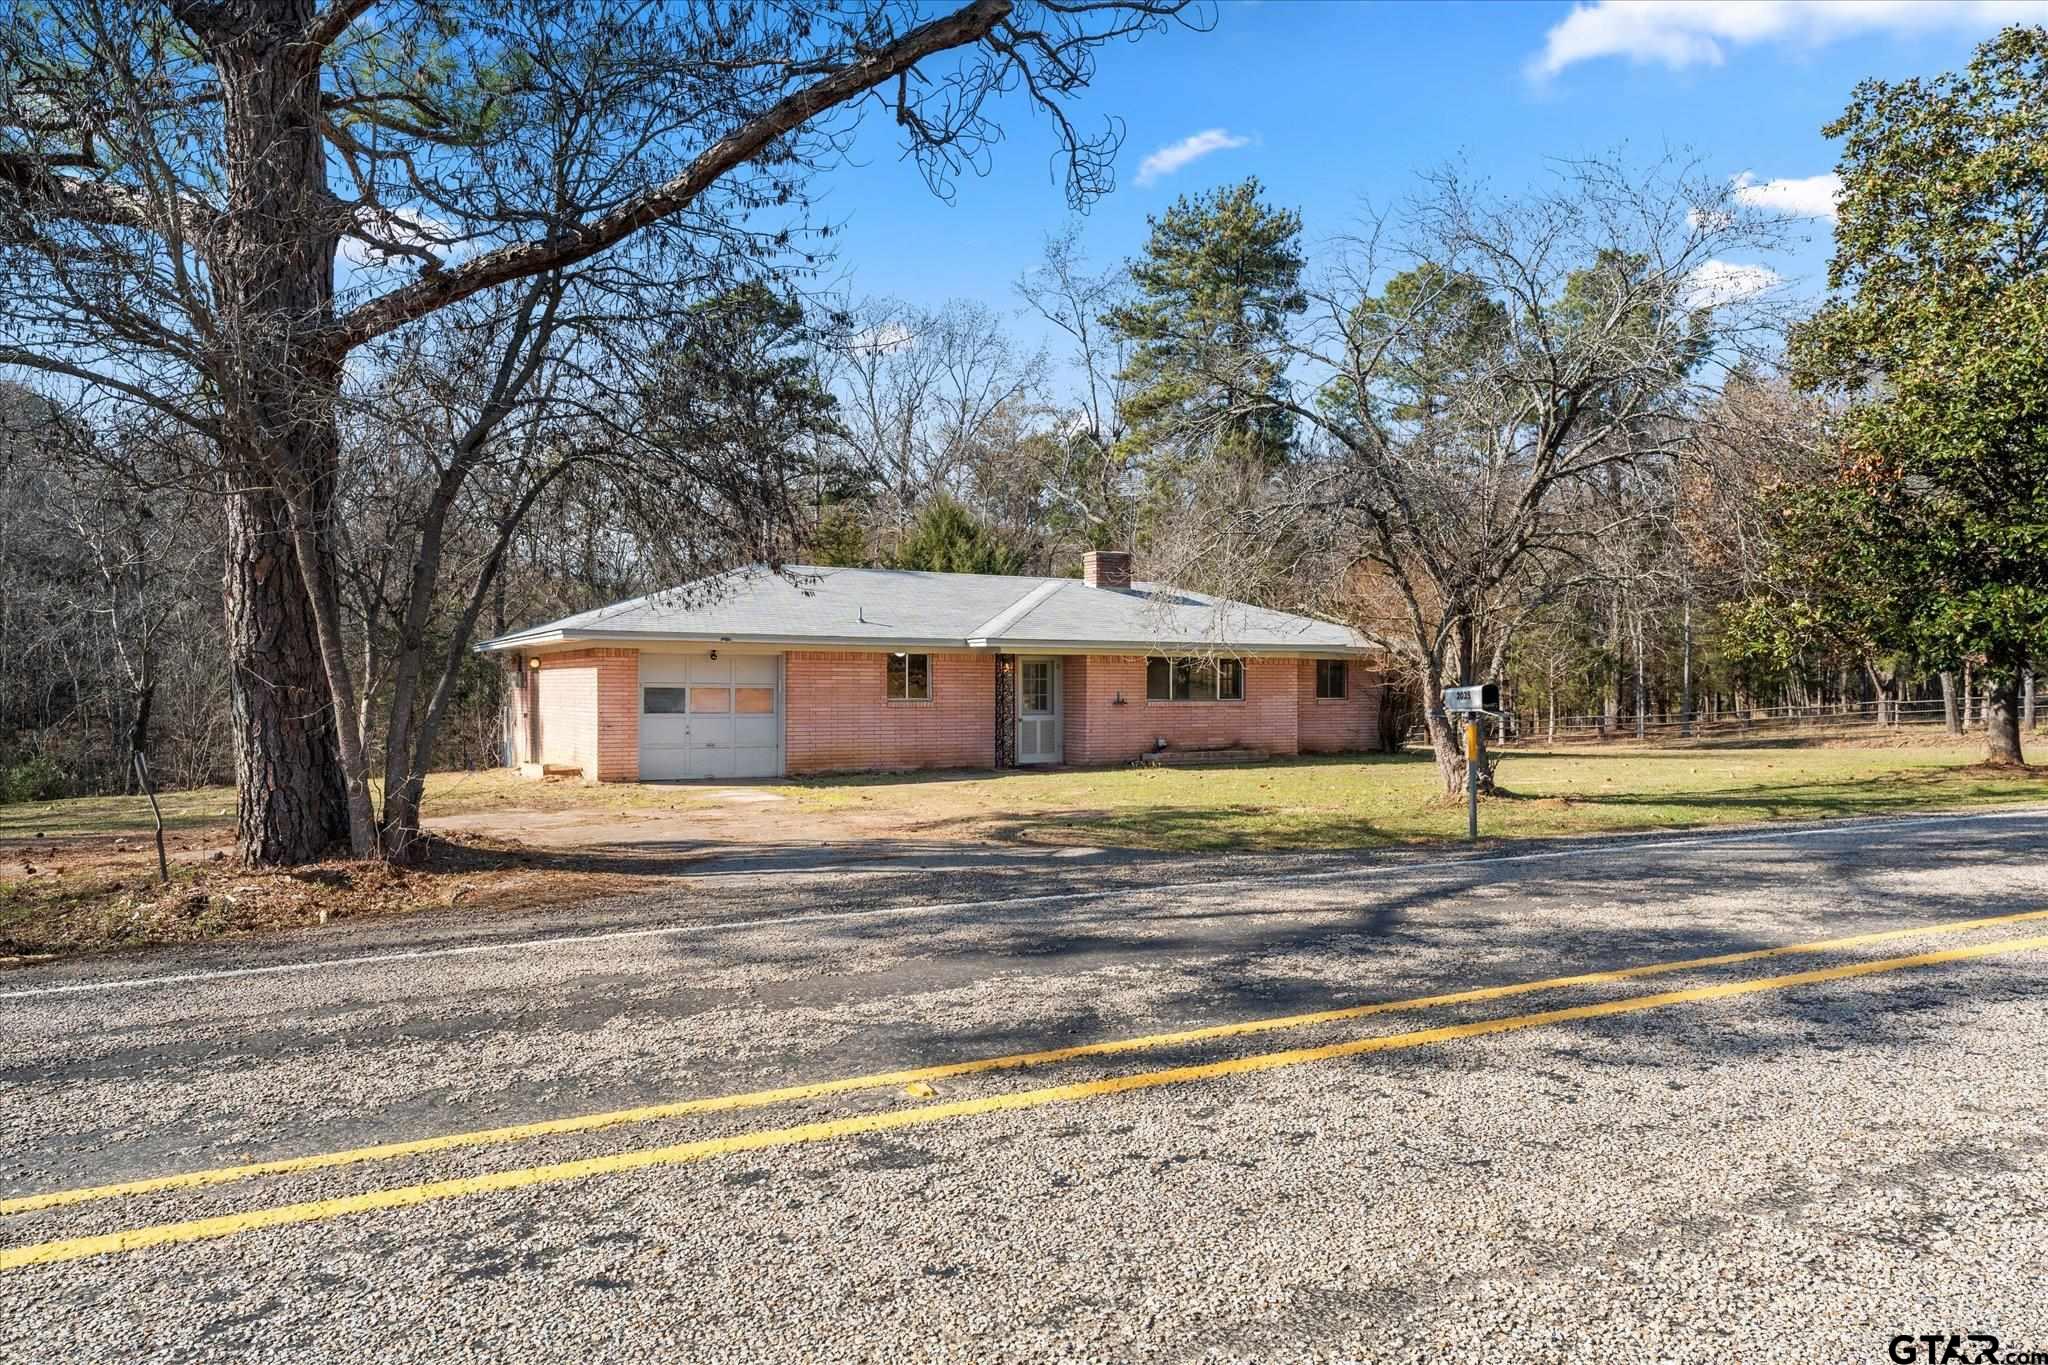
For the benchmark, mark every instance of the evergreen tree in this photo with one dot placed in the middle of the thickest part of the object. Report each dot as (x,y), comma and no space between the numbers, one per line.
(1220,276)
(948,539)
(840,538)
(1941,278)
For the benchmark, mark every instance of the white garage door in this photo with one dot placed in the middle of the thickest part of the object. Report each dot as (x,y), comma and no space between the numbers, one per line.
(706,717)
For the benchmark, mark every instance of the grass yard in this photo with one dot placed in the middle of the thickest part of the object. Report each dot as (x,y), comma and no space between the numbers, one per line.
(80,875)
(1349,802)
(209,808)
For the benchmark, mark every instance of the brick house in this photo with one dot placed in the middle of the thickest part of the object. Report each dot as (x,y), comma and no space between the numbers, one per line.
(817,670)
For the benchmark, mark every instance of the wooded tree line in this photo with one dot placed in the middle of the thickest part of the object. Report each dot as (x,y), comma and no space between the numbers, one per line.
(424,321)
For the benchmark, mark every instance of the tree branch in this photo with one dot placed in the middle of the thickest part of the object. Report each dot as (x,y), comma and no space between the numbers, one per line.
(374,318)
(41,187)
(328,26)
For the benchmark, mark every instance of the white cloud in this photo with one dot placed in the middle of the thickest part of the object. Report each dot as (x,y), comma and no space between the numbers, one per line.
(1682,33)
(1175,155)
(1717,284)
(883,338)
(1811,197)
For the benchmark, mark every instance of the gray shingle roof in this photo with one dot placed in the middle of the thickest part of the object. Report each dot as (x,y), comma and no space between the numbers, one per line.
(806,605)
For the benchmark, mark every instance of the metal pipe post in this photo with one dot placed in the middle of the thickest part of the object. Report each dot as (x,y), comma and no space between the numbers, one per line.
(1472,778)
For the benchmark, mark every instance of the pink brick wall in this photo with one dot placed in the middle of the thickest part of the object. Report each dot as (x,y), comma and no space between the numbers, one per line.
(1100,731)
(590,712)
(839,717)
(1333,726)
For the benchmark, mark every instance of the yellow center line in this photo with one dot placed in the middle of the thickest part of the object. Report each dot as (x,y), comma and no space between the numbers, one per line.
(287,1215)
(814,1090)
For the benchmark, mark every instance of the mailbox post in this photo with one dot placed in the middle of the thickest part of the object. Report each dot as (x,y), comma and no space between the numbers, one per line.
(1472,779)
(1472,703)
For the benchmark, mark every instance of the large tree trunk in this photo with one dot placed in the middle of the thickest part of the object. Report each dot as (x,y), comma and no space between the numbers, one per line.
(289,802)
(2002,718)
(276,243)
(1445,744)
(1446,732)
(1949,715)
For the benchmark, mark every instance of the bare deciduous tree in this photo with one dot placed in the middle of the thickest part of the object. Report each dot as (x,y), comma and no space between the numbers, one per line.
(178,182)
(1470,368)
(924,391)
(1089,469)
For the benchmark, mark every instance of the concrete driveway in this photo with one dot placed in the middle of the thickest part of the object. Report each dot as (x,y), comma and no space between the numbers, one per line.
(1747,1095)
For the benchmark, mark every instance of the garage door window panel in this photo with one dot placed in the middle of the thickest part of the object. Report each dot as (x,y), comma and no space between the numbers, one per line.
(710,701)
(663,701)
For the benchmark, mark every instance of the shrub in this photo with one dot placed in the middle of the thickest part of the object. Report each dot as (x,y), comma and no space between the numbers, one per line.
(37,778)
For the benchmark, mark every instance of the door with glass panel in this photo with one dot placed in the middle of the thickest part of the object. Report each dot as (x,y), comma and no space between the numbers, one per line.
(1038,710)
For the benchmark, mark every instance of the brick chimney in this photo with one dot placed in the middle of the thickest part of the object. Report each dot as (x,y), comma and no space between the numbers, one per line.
(1106,568)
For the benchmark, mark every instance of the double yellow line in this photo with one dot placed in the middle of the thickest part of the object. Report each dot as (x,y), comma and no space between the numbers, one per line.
(683,1153)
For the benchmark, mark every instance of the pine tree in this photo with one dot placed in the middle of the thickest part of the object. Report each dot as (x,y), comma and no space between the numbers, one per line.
(1220,276)
(840,538)
(948,539)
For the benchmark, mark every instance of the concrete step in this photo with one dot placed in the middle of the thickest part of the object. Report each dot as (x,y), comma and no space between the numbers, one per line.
(1184,758)
(551,772)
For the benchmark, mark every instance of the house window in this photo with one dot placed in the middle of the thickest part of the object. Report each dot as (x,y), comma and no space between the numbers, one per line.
(1194,679)
(910,677)
(1331,682)
(1230,680)
(1158,680)
(662,701)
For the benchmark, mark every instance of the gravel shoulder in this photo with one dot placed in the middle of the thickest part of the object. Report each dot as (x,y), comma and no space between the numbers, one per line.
(1808,1170)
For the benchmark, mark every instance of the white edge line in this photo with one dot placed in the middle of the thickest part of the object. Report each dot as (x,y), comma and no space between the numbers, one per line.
(1047,898)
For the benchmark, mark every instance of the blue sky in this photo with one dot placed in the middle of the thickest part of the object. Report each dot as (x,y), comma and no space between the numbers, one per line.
(1338,104)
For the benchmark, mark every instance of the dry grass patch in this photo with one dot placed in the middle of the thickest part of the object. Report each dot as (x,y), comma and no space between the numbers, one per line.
(95,894)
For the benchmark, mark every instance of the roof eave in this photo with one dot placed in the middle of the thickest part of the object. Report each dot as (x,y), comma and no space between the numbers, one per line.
(1250,649)
(530,639)
(1253,649)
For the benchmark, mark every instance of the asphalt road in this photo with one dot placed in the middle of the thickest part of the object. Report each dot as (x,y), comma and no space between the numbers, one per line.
(992,1106)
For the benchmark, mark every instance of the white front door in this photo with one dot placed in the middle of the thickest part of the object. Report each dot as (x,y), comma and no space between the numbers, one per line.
(1038,710)
(702,716)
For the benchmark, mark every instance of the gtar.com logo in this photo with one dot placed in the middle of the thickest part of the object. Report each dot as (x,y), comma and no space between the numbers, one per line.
(1934,1348)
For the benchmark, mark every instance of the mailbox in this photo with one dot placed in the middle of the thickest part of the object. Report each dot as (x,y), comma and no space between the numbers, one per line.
(1466,700)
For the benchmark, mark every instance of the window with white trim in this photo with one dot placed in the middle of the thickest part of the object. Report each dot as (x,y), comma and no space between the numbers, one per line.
(910,677)
(1194,679)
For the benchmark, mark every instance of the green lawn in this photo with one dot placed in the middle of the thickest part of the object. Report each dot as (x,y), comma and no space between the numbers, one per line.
(1354,802)
(1311,803)
(184,810)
